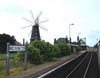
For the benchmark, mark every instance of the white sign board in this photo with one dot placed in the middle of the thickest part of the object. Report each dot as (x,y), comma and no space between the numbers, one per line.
(16,48)
(82,43)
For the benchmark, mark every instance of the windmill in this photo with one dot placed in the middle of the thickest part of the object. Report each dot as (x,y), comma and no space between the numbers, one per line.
(35,33)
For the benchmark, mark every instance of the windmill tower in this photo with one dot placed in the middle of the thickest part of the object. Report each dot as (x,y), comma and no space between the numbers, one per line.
(35,33)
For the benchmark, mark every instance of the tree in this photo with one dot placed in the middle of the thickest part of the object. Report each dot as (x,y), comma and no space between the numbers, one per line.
(46,49)
(78,48)
(57,51)
(34,55)
(40,51)
(64,48)
(4,38)
(50,52)
(19,57)
(40,44)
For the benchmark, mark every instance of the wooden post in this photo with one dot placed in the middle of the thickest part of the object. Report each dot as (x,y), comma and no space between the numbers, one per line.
(25,56)
(8,61)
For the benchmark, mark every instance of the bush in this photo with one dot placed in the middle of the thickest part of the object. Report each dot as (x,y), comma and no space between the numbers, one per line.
(78,48)
(47,50)
(41,45)
(34,55)
(64,49)
(19,56)
(40,51)
(57,51)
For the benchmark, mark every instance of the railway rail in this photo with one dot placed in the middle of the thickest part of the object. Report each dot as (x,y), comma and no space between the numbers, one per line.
(85,66)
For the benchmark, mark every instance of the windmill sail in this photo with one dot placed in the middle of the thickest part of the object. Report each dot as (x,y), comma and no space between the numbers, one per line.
(35,34)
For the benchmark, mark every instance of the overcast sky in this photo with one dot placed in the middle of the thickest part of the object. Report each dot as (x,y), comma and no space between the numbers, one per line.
(85,14)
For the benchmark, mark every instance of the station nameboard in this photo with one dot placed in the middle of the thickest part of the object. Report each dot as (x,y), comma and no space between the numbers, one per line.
(16,48)
(82,43)
(11,48)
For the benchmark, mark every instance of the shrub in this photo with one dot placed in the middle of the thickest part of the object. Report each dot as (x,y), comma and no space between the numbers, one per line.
(46,49)
(64,49)
(41,51)
(78,48)
(19,56)
(49,52)
(57,51)
(34,55)
(41,45)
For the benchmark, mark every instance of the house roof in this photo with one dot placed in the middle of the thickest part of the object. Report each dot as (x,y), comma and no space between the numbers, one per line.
(18,43)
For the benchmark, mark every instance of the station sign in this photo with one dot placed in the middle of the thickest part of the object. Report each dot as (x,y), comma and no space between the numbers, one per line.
(11,48)
(17,48)
(82,43)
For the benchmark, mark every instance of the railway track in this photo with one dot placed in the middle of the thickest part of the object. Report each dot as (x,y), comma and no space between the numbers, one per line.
(85,66)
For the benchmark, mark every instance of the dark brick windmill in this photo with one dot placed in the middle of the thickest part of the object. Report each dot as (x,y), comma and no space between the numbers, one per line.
(35,33)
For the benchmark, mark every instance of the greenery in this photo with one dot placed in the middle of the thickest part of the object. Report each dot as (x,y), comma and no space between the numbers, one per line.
(16,64)
(3,56)
(40,51)
(78,48)
(19,56)
(64,49)
(4,38)
(34,55)
(15,67)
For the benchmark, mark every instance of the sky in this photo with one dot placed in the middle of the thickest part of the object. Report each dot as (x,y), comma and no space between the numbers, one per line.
(84,14)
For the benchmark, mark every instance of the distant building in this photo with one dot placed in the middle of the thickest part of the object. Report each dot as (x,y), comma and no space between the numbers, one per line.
(68,42)
(63,40)
(82,44)
(18,43)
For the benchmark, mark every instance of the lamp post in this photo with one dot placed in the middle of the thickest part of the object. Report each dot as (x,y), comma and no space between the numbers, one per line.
(70,32)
